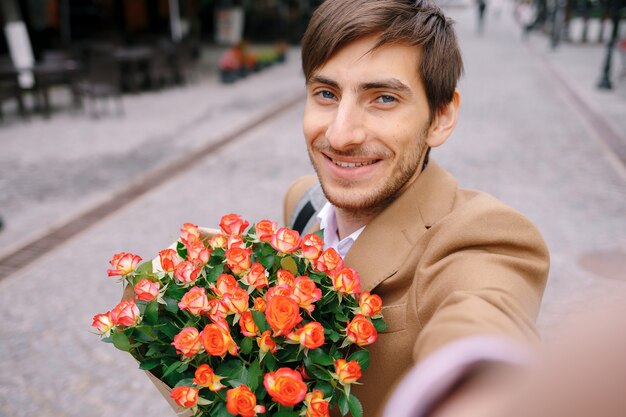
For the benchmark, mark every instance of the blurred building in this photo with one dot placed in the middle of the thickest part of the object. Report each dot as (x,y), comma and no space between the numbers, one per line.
(54,24)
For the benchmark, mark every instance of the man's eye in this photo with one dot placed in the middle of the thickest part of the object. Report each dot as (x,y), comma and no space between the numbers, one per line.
(386,99)
(327,95)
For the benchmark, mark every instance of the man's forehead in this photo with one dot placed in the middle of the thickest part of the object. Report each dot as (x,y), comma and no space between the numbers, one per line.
(365,58)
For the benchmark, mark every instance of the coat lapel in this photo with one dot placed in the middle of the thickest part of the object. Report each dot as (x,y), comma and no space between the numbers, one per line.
(388,239)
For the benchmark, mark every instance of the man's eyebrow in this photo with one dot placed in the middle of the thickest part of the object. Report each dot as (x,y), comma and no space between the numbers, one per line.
(322,80)
(390,84)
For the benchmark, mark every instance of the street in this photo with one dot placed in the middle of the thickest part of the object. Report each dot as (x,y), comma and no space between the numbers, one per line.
(521,137)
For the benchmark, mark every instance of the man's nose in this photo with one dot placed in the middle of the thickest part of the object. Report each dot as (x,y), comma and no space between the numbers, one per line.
(346,129)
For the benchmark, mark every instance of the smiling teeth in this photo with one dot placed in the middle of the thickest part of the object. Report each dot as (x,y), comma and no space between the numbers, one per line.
(352,165)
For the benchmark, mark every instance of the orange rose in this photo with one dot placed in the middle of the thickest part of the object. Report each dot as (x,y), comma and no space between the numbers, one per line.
(312,246)
(187,272)
(317,406)
(189,234)
(236,301)
(241,401)
(187,342)
(285,240)
(205,377)
(260,304)
(265,342)
(346,280)
(285,386)
(265,230)
(218,241)
(370,304)
(257,276)
(282,314)
(195,301)
(185,396)
(225,283)
(217,310)
(328,260)
(235,242)
(125,313)
(361,331)
(284,277)
(347,372)
(233,224)
(103,322)
(217,340)
(311,335)
(169,259)
(305,293)
(123,263)
(247,324)
(197,252)
(238,260)
(282,289)
(146,290)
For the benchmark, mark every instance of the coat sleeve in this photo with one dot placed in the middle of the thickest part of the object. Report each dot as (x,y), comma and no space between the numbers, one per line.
(483,273)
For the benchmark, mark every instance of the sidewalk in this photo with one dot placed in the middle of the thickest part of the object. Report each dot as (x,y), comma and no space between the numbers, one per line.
(53,170)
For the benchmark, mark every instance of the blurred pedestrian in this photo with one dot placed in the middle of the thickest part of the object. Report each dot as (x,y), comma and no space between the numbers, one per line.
(482,6)
(526,16)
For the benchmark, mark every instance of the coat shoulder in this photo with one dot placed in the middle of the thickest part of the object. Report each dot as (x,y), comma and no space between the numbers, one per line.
(295,191)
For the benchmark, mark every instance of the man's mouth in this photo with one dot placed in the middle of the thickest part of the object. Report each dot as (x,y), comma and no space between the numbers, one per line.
(344,164)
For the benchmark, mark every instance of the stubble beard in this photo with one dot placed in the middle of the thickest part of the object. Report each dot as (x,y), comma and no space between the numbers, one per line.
(359,204)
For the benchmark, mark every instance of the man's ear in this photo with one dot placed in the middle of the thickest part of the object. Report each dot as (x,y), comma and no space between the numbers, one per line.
(444,122)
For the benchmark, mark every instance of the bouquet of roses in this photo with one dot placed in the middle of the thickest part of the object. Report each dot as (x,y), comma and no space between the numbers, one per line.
(246,322)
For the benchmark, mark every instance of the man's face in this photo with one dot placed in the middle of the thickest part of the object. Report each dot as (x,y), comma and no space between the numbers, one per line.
(365,123)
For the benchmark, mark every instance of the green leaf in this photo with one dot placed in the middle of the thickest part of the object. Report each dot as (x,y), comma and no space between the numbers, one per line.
(356,409)
(320,357)
(362,357)
(289,264)
(320,233)
(220,410)
(150,364)
(121,341)
(286,413)
(151,315)
(231,369)
(325,387)
(379,324)
(184,382)
(270,362)
(143,334)
(246,345)
(171,304)
(171,368)
(254,375)
(169,330)
(332,335)
(215,273)
(181,250)
(267,261)
(145,268)
(343,404)
(260,321)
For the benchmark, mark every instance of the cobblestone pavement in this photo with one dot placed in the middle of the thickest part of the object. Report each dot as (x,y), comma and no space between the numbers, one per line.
(519,138)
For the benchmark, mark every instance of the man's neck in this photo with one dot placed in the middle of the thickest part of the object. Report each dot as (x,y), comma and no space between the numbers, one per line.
(349,222)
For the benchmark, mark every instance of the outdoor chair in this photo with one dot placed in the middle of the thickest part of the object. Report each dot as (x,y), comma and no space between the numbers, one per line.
(10,90)
(101,85)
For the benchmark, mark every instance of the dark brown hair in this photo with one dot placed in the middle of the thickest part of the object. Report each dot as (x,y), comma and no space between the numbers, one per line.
(417,23)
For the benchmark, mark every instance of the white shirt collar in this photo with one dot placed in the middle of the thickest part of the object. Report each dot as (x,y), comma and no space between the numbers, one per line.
(328,221)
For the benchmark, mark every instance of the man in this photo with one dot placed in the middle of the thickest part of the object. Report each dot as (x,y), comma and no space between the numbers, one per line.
(461,275)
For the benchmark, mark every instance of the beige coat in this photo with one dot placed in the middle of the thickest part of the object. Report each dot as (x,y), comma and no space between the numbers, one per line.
(448,263)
